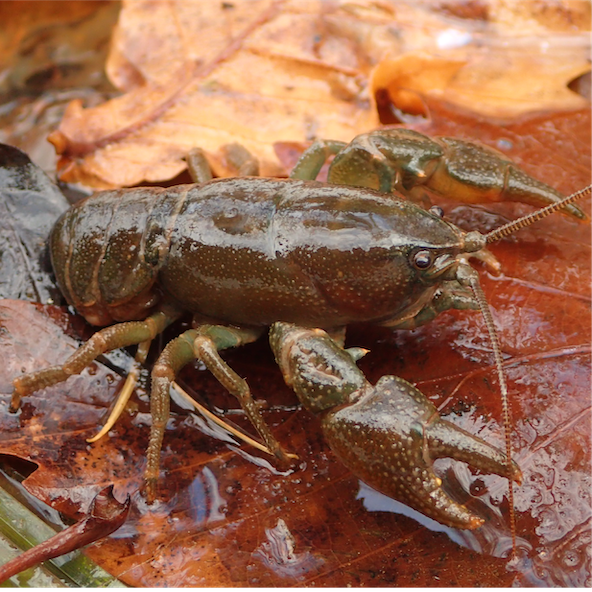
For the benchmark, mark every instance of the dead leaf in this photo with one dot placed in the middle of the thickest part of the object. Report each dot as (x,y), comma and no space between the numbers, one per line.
(29,55)
(30,204)
(229,518)
(409,78)
(104,516)
(256,78)
(537,75)
(206,74)
(48,57)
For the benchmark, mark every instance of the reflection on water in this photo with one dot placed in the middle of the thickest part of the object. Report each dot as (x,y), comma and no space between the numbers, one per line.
(206,503)
(280,553)
(490,539)
(563,562)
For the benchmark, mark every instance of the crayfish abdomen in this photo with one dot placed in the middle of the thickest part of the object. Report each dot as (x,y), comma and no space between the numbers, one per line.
(107,249)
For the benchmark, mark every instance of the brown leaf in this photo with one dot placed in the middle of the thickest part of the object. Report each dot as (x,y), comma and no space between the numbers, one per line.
(30,203)
(29,24)
(538,79)
(256,77)
(104,516)
(206,74)
(227,517)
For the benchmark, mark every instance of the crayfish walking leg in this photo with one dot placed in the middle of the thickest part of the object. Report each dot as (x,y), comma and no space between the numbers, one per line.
(202,343)
(114,337)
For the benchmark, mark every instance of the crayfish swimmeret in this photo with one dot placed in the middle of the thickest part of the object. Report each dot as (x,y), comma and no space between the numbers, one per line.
(306,259)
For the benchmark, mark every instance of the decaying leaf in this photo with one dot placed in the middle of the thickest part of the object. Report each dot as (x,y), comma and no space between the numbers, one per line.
(30,204)
(104,516)
(206,74)
(482,83)
(228,517)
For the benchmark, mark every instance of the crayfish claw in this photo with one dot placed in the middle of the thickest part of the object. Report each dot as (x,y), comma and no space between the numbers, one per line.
(388,434)
(389,437)
(445,440)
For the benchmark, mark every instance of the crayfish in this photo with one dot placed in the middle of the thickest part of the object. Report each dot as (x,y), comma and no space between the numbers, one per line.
(306,259)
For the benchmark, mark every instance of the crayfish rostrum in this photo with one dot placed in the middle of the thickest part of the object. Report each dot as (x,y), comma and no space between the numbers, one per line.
(306,259)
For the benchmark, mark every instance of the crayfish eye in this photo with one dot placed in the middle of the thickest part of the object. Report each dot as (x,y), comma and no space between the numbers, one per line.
(422,259)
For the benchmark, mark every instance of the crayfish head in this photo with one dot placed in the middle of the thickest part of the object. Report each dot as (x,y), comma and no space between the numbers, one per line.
(444,264)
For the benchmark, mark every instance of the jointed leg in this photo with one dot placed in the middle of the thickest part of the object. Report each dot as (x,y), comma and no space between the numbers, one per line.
(314,157)
(238,160)
(116,336)
(202,343)
(126,390)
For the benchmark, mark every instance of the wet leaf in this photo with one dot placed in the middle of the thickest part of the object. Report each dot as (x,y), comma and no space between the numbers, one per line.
(104,516)
(30,205)
(206,74)
(21,528)
(542,304)
(227,517)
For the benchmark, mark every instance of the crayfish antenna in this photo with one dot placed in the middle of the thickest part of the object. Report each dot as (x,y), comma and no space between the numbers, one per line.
(527,220)
(466,274)
(469,276)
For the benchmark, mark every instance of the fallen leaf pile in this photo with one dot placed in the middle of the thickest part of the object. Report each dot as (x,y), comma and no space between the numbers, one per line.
(273,76)
(207,74)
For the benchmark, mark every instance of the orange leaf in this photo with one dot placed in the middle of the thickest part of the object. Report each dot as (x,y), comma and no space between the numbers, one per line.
(204,74)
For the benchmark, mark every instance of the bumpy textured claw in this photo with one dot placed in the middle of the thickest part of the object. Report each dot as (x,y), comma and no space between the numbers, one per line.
(387,434)
(390,436)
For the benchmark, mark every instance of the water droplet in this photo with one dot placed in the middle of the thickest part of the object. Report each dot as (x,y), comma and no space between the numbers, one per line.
(571,558)
(478,488)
